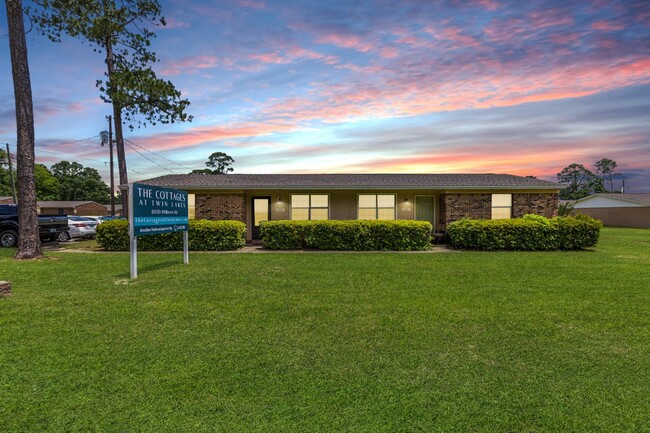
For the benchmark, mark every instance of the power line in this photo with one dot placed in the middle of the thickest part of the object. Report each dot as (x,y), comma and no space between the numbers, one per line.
(157,154)
(147,158)
(67,142)
(78,158)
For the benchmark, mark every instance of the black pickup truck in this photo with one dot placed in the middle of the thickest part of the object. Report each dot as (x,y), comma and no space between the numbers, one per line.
(49,225)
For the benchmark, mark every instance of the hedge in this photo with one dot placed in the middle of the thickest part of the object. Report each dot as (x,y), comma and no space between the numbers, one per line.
(204,235)
(347,235)
(530,233)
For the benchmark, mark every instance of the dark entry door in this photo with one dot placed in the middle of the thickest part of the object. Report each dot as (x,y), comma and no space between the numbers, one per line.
(261,211)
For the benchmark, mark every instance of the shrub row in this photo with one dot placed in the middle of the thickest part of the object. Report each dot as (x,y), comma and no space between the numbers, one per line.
(348,235)
(530,233)
(204,235)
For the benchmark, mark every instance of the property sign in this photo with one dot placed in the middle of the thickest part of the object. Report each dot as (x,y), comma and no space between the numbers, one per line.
(154,210)
(158,210)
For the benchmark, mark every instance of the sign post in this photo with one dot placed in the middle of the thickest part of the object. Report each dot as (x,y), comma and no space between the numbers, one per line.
(154,210)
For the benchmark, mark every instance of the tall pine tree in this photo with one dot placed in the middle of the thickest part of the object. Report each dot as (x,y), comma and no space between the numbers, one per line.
(29,244)
(120,30)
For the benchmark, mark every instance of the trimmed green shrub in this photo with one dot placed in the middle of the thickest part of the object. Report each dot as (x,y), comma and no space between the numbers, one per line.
(347,235)
(539,218)
(204,235)
(531,233)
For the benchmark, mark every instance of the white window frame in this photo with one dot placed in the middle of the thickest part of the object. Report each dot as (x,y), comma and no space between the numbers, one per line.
(376,205)
(310,207)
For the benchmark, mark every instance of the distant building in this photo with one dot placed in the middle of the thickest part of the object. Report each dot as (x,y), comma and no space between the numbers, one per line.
(118,209)
(617,210)
(7,199)
(89,208)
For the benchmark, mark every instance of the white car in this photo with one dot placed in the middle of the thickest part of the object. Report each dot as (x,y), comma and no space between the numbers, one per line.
(80,227)
(98,220)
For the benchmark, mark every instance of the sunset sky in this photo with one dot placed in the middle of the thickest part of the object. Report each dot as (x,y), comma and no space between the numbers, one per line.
(477,86)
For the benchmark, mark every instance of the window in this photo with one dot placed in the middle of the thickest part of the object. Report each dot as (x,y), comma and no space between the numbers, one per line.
(501,206)
(376,206)
(61,211)
(191,206)
(309,207)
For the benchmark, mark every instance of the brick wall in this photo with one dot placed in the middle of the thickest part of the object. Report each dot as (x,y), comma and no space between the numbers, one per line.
(457,206)
(544,204)
(221,207)
(92,209)
(55,211)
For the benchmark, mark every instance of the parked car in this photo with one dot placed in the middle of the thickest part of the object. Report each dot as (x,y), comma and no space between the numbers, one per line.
(80,227)
(97,219)
(110,218)
(50,226)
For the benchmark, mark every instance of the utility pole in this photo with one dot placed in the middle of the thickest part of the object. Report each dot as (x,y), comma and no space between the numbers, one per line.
(108,137)
(110,150)
(11,175)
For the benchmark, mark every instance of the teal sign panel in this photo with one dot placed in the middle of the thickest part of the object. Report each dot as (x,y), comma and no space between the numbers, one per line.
(158,210)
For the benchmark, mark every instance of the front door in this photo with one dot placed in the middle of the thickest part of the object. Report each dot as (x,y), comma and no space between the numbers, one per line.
(424,208)
(261,211)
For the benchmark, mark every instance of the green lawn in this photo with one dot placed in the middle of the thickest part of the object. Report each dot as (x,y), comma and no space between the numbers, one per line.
(481,342)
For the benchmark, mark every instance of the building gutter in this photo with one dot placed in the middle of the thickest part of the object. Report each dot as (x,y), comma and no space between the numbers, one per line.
(351,188)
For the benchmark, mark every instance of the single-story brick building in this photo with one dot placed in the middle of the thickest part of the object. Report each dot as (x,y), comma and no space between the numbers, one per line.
(437,198)
(118,210)
(6,199)
(617,210)
(81,208)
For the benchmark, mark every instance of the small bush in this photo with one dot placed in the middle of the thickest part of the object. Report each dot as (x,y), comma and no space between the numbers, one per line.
(539,218)
(565,209)
(347,235)
(531,233)
(204,235)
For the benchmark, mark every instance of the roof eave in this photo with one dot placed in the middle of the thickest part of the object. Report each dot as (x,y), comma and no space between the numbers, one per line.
(613,196)
(366,187)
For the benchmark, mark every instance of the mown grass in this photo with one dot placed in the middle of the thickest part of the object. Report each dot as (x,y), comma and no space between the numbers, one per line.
(364,342)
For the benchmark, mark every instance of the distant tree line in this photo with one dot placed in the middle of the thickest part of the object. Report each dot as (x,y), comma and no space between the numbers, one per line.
(582,182)
(62,181)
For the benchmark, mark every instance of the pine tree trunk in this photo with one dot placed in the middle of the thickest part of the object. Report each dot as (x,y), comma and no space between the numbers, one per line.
(117,116)
(121,156)
(29,245)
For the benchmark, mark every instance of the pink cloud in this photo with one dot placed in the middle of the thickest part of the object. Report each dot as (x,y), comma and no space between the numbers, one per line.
(503,31)
(488,4)
(607,26)
(541,158)
(290,54)
(453,34)
(252,4)
(548,18)
(273,58)
(565,39)
(388,52)
(498,86)
(345,41)
(206,134)
(190,65)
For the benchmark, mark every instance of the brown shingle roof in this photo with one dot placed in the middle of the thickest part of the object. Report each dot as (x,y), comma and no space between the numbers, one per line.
(348,181)
(60,204)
